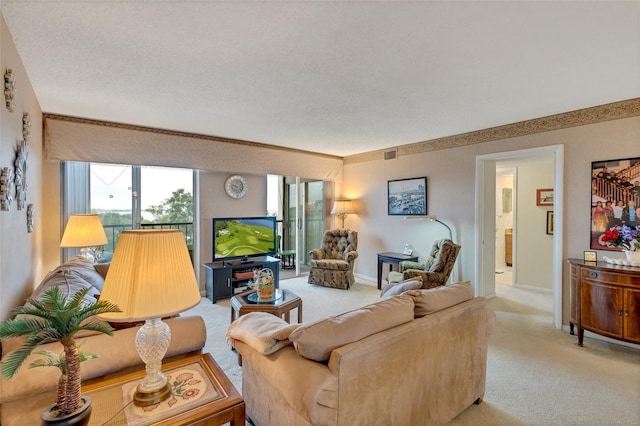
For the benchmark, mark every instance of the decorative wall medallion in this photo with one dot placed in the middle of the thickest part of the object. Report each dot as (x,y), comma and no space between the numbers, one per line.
(26,126)
(6,188)
(30,209)
(9,89)
(20,178)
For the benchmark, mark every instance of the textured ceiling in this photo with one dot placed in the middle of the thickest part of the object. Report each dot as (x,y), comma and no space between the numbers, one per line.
(333,77)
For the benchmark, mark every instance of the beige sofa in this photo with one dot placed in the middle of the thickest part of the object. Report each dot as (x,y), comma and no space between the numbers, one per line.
(32,389)
(418,358)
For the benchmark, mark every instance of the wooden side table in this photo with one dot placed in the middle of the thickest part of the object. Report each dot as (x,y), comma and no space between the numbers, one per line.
(392,259)
(201,395)
(240,305)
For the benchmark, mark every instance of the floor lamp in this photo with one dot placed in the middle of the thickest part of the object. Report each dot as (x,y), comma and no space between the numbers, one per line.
(341,208)
(151,277)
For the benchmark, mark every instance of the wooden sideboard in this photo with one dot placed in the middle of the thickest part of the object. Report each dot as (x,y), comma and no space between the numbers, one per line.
(605,299)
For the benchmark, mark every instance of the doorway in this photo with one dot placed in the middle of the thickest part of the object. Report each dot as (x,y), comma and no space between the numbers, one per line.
(486,212)
(303,218)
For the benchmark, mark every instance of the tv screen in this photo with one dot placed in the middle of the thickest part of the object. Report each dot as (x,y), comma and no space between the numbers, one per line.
(243,237)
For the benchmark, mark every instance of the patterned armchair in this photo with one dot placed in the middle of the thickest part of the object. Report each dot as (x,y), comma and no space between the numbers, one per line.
(332,265)
(435,270)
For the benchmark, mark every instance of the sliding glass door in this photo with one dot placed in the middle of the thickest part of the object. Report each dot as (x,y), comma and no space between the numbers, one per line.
(304,217)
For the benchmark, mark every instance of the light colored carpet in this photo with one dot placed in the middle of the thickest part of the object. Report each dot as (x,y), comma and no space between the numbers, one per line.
(536,375)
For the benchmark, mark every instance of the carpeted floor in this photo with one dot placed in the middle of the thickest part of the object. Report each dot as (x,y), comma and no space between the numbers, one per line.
(536,375)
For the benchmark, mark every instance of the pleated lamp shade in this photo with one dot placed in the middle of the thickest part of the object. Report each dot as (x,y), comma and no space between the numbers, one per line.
(150,276)
(342,207)
(83,230)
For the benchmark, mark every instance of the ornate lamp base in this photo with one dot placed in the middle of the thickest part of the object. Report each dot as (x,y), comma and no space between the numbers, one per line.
(144,398)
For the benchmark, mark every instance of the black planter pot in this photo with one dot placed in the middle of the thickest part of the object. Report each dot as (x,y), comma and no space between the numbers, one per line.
(79,418)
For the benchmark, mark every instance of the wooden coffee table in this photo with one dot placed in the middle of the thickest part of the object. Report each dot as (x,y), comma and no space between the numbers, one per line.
(201,395)
(240,305)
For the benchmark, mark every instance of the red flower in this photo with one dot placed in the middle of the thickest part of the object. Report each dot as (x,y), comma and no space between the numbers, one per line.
(190,393)
(610,234)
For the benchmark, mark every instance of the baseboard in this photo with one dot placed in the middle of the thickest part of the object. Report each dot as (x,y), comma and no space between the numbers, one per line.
(534,288)
(367,280)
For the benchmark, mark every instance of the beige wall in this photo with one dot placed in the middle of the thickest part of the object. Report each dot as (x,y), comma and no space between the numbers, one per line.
(451,188)
(21,253)
(214,202)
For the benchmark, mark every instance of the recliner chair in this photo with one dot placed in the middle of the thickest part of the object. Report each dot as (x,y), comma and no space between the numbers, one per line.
(435,270)
(332,265)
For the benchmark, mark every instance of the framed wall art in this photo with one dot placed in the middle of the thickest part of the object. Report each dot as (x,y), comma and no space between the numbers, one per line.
(615,198)
(550,222)
(544,197)
(407,197)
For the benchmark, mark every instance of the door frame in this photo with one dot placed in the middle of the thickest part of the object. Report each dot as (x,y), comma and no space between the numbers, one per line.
(485,222)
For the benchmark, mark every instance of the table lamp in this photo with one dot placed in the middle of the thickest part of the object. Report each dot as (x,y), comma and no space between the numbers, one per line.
(83,231)
(151,276)
(342,208)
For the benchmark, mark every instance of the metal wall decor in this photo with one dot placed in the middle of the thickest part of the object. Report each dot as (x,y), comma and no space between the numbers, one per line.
(9,89)
(30,212)
(26,126)
(6,188)
(20,178)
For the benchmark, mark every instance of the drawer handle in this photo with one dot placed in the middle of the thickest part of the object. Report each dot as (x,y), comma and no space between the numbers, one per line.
(594,275)
(626,313)
(619,311)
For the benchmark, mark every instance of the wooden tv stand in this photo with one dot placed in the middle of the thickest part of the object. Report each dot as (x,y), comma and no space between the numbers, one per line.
(226,278)
(605,299)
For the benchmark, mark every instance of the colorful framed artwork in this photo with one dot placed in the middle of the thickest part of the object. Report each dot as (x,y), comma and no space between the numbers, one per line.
(615,198)
(407,197)
(544,197)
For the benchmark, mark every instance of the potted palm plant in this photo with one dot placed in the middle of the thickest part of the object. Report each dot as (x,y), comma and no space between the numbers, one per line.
(55,318)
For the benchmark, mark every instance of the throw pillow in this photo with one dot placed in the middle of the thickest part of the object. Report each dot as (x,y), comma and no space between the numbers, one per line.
(439,298)
(394,289)
(315,341)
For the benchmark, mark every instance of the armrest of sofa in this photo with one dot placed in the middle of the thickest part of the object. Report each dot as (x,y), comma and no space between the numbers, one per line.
(115,353)
(407,264)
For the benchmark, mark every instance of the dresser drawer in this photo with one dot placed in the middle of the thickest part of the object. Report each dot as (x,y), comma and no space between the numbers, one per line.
(610,277)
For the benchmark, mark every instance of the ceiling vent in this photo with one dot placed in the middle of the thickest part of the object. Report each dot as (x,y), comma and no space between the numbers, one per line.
(390,155)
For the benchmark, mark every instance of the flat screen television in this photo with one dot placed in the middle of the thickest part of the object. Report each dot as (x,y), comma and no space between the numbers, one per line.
(243,237)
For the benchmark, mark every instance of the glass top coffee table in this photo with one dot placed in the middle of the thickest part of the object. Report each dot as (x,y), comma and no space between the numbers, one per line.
(282,306)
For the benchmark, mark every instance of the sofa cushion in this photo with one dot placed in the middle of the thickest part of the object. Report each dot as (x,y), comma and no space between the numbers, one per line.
(316,340)
(439,298)
(84,268)
(394,289)
(102,269)
(69,282)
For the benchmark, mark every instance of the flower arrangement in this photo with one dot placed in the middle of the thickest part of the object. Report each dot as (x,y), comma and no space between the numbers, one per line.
(625,237)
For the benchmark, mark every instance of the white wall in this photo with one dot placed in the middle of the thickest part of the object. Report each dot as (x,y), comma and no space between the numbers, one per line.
(504,220)
(451,188)
(214,202)
(534,248)
(21,260)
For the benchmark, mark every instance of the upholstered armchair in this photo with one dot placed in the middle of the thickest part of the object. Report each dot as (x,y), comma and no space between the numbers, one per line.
(332,265)
(435,270)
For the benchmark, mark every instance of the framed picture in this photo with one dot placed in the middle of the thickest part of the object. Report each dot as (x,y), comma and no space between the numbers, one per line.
(407,197)
(544,197)
(615,195)
(590,256)
(550,222)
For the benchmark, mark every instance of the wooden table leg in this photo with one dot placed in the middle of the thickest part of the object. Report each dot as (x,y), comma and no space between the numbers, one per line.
(300,313)
(287,317)
(379,274)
